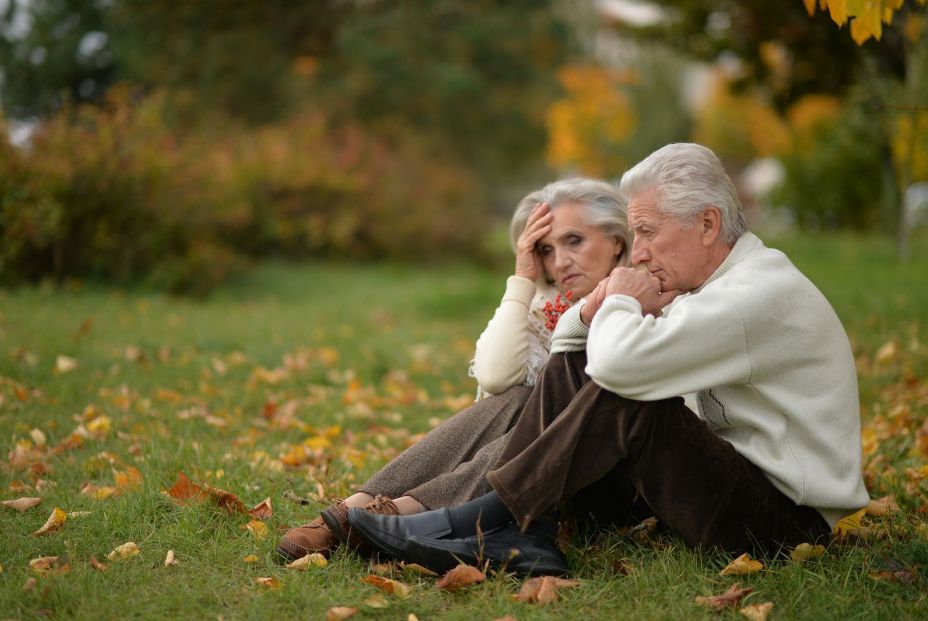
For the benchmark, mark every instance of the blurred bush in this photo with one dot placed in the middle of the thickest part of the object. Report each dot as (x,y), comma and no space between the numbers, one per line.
(111,192)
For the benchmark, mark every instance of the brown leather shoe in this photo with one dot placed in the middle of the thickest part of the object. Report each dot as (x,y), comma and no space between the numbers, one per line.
(336,518)
(308,538)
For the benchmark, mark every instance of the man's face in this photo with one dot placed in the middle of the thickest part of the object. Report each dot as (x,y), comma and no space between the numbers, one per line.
(673,251)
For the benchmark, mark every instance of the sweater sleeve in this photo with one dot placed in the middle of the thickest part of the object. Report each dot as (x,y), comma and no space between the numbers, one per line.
(699,343)
(502,349)
(571,333)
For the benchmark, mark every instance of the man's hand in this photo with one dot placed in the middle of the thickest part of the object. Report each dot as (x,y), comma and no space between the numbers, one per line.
(594,299)
(640,285)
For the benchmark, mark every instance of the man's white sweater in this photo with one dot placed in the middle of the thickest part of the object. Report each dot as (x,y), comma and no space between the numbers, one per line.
(767,358)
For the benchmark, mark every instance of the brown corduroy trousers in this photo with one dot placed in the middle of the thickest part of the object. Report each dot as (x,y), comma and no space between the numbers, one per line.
(573,434)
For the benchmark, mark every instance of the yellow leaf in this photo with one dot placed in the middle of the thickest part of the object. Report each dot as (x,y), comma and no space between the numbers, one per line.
(340,613)
(38,437)
(810,6)
(376,601)
(886,353)
(46,565)
(269,583)
(838,10)
(123,552)
(21,504)
(757,612)
(99,427)
(65,364)
(257,528)
(391,587)
(128,479)
(742,565)
(415,568)
(55,521)
(805,551)
(310,560)
(250,558)
(98,493)
(849,525)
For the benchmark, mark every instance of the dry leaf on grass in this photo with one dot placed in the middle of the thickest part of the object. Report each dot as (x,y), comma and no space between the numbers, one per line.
(388,586)
(806,551)
(185,491)
(417,569)
(850,526)
(460,577)
(882,506)
(506,618)
(757,612)
(170,559)
(262,510)
(742,565)
(65,364)
(55,521)
(98,493)
(269,582)
(376,601)
(29,584)
(123,552)
(257,528)
(340,613)
(97,564)
(412,617)
(542,590)
(128,479)
(250,558)
(49,566)
(728,599)
(310,560)
(21,504)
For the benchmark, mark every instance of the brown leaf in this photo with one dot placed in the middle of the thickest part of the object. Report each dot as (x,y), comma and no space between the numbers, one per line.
(506,618)
(417,569)
(882,506)
(128,479)
(728,599)
(388,586)
(21,504)
(382,569)
(460,577)
(97,564)
(185,491)
(49,565)
(543,589)
(757,612)
(262,510)
(742,565)
(55,521)
(269,582)
(98,493)
(340,613)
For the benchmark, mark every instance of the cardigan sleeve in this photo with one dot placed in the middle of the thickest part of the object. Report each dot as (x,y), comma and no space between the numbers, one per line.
(502,349)
(699,343)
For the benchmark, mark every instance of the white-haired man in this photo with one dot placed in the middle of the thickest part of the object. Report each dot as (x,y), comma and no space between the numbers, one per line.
(769,459)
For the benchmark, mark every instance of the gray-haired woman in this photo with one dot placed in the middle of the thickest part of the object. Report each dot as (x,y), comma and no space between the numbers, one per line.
(567,237)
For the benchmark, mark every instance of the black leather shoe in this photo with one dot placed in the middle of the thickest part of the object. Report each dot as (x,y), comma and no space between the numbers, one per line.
(506,549)
(389,534)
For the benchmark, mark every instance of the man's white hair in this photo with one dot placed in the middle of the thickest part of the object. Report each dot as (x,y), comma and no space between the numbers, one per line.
(686,179)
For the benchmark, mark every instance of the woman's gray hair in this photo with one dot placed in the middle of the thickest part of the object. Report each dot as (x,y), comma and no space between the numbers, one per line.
(603,207)
(687,178)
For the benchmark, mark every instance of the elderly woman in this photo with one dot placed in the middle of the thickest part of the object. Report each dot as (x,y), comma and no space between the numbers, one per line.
(567,237)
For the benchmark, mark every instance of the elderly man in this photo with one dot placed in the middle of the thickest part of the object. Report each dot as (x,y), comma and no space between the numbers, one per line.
(769,459)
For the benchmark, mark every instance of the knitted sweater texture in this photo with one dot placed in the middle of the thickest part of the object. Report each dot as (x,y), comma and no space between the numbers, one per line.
(769,362)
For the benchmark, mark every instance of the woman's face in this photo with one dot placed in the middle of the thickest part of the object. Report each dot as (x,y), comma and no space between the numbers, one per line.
(575,254)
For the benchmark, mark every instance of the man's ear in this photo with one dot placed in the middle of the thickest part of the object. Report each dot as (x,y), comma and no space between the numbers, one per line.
(710,225)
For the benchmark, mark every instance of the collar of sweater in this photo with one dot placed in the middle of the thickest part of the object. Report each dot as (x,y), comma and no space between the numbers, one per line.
(745,244)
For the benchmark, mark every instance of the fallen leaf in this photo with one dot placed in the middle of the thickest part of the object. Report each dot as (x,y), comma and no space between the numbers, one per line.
(388,586)
(65,364)
(55,521)
(269,583)
(170,559)
(98,493)
(340,613)
(22,504)
(49,565)
(543,589)
(506,618)
(97,564)
(262,510)
(728,599)
(850,526)
(376,601)
(123,552)
(757,612)
(886,353)
(29,584)
(128,479)
(310,560)
(78,514)
(742,565)
(38,436)
(257,528)
(882,506)
(184,491)
(412,617)
(250,558)
(806,551)
(382,569)
(460,577)
(417,569)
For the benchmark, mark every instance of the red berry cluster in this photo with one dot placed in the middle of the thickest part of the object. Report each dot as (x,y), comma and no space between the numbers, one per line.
(554,311)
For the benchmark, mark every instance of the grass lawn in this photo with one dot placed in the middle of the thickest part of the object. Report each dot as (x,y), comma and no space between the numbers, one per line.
(298,382)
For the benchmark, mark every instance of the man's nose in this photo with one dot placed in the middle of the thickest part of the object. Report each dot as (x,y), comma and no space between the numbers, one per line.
(640,253)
